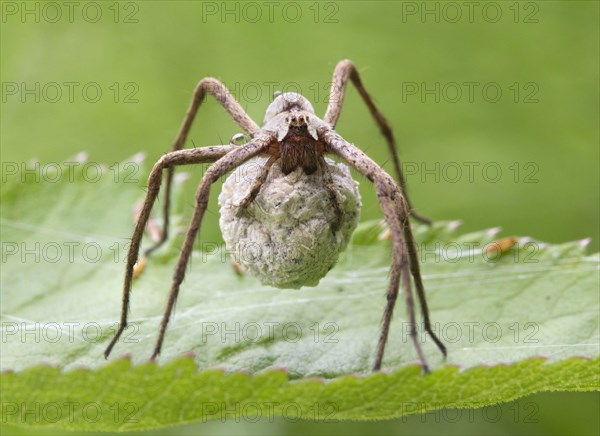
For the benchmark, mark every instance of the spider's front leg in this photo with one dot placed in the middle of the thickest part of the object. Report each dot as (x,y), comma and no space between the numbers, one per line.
(346,71)
(217,170)
(220,92)
(404,258)
(181,157)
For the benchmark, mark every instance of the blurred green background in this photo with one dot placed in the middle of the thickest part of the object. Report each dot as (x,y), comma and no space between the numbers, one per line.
(495,106)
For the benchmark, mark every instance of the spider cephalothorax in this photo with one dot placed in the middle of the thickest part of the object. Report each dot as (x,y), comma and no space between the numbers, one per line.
(296,139)
(292,118)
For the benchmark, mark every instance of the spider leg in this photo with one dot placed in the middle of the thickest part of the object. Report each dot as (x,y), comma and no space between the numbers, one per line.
(214,172)
(220,92)
(404,258)
(180,157)
(389,198)
(416,273)
(331,191)
(345,70)
(258,182)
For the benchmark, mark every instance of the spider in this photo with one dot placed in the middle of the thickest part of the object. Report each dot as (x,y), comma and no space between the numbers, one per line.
(295,137)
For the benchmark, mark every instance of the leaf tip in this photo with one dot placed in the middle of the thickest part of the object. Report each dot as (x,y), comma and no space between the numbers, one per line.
(453,225)
(138,158)
(316,378)
(493,231)
(80,157)
(189,355)
(583,357)
(221,370)
(181,177)
(585,242)
(411,367)
(280,369)
(455,367)
(125,356)
(358,374)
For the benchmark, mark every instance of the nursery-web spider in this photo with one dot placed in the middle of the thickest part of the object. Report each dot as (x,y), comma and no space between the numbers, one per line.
(295,136)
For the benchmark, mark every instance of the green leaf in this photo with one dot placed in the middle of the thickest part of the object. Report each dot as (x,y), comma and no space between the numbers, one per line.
(514,323)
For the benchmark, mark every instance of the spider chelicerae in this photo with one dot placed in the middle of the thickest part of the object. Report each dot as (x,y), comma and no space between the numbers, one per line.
(294,137)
